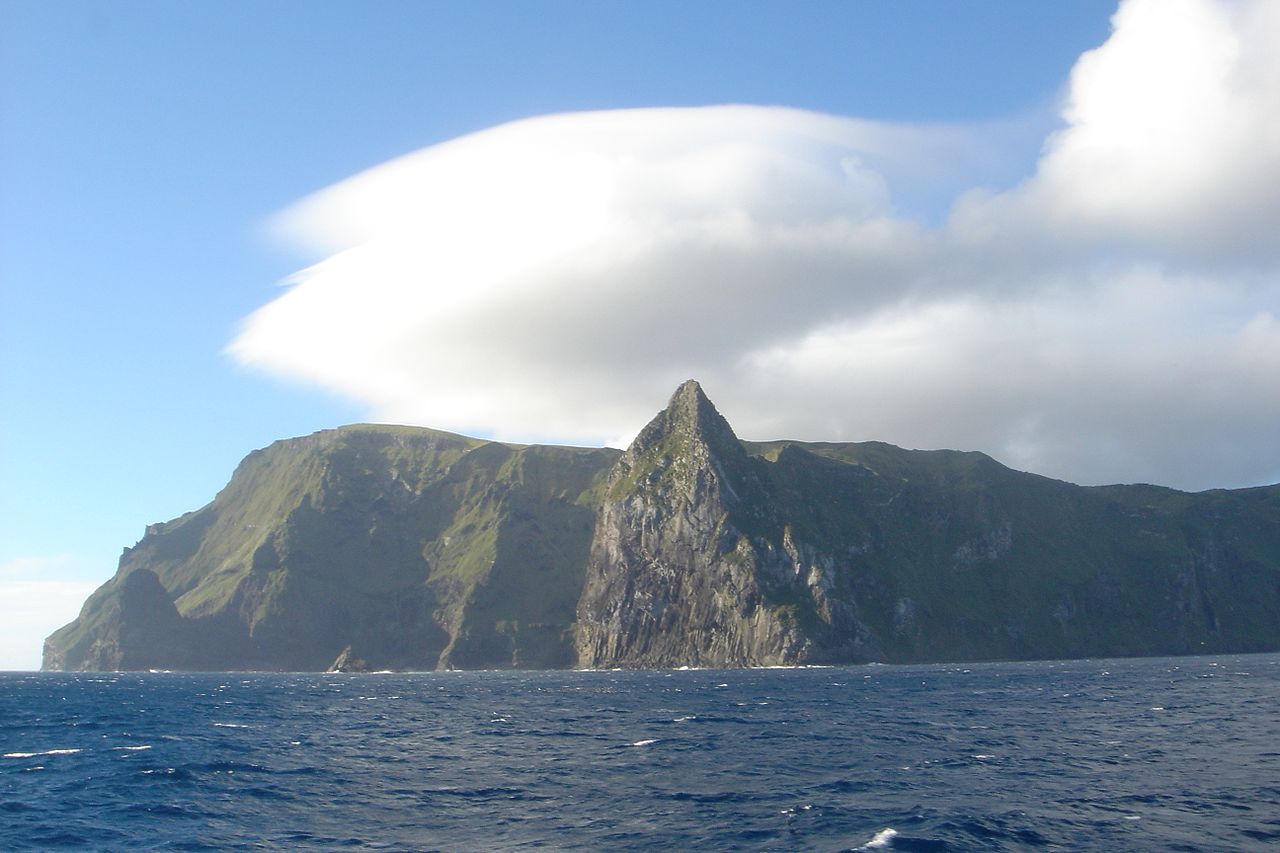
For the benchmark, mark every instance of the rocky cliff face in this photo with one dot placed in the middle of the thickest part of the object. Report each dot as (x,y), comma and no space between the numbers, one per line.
(673,578)
(709,552)
(409,548)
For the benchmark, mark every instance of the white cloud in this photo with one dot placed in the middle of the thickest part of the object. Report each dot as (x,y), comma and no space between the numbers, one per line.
(1128,375)
(1110,318)
(488,282)
(1172,140)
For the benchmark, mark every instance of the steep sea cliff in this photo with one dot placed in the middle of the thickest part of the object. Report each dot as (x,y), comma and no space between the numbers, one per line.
(413,549)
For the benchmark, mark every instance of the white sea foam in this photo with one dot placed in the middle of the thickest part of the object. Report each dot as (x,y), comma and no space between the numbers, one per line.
(230,726)
(46,752)
(138,748)
(685,719)
(794,810)
(645,742)
(881,840)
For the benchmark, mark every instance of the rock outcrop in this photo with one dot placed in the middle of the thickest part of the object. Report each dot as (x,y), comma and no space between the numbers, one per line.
(689,565)
(348,661)
(427,550)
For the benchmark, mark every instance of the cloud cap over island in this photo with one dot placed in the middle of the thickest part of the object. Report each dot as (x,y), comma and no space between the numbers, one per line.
(1110,317)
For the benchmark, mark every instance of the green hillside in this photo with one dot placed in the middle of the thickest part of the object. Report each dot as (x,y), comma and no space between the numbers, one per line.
(419,549)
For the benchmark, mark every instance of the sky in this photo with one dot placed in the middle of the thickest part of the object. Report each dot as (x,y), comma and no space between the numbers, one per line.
(1043,231)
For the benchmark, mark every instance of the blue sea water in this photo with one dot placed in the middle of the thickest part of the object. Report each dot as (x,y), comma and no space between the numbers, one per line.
(1158,754)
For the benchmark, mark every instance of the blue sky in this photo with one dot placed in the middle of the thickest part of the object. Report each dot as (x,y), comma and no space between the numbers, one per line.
(147,150)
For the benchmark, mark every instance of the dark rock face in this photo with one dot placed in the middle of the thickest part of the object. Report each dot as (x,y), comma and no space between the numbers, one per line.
(137,624)
(348,661)
(425,550)
(713,552)
(666,582)
(684,569)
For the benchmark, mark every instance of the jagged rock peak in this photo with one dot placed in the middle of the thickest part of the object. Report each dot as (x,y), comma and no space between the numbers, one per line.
(689,401)
(689,412)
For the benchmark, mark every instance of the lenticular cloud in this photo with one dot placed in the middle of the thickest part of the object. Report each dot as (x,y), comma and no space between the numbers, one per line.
(1111,317)
(585,259)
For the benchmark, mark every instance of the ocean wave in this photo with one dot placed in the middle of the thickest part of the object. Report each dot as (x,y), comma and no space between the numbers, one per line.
(46,752)
(881,840)
(319,769)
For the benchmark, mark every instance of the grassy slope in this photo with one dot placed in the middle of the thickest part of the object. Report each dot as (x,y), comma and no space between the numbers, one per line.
(380,537)
(954,556)
(423,548)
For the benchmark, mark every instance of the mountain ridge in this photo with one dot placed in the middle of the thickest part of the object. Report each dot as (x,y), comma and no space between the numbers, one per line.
(412,548)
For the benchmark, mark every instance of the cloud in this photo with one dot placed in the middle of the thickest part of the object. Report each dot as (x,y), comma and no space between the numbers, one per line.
(1124,376)
(1109,316)
(531,278)
(1172,141)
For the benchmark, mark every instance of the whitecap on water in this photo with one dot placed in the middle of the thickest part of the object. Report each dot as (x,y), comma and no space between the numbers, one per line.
(881,840)
(645,742)
(138,748)
(46,752)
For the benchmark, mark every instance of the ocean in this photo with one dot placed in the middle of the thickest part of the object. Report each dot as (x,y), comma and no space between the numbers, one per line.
(1149,755)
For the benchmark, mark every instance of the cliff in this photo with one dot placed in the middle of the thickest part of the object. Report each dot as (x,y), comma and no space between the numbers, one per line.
(416,549)
(689,564)
(409,548)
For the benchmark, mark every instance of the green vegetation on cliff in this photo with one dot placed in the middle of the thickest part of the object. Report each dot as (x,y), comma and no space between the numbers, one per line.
(409,548)
(408,545)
